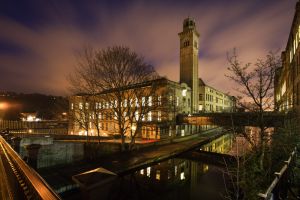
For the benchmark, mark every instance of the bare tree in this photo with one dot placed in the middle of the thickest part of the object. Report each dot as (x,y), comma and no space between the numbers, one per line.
(255,84)
(122,86)
(128,83)
(79,115)
(83,84)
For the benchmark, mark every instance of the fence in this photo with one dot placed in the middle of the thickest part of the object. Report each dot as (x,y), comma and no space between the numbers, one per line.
(279,187)
(49,127)
(22,181)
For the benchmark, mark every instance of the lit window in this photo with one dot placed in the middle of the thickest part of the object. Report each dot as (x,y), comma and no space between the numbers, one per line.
(150,101)
(125,103)
(136,102)
(86,105)
(159,100)
(157,174)
(136,115)
(182,177)
(175,169)
(177,101)
(130,102)
(158,116)
(80,106)
(150,116)
(72,106)
(283,89)
(148,171)
(142,172)
(143,101)
(184,92)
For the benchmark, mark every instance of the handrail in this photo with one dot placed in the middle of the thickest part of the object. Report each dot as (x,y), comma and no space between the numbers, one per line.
(268,194)
(34,181)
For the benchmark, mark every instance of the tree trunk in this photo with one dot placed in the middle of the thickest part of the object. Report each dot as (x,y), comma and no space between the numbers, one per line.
(122,142)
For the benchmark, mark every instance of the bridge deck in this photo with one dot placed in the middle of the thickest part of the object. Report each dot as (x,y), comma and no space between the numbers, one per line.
(236,118)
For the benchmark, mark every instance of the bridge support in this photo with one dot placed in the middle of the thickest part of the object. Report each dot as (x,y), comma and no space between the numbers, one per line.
(32,152)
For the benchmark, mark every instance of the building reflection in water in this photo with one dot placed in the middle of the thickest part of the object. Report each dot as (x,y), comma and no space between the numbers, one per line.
(222,144)
(176,178)
(172,179)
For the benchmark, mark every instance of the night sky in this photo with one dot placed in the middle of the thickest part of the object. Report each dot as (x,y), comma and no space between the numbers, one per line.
(39,40)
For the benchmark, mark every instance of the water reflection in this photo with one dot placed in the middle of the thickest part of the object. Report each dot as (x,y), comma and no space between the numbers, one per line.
(222,144)
(173,179)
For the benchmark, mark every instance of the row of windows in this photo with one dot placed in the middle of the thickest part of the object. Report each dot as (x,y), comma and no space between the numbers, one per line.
(112,104)
(145,101)
(111,116)
(209,97)
(294,45)
(187,43)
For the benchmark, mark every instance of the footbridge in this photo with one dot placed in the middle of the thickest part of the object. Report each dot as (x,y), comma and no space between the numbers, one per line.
(235,118)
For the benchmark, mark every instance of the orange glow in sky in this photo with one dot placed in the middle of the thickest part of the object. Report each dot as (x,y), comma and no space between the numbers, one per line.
(3,105)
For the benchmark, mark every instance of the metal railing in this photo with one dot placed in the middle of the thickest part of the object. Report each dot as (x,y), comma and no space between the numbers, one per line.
(23,181)
(279,186)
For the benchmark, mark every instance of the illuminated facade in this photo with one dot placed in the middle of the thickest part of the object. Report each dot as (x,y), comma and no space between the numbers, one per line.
(287,78)
(212,100)
(169,99)
(189,50)
(180,97)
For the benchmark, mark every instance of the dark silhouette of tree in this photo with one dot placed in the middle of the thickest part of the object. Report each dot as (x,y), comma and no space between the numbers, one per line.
(255,84)
(122,82)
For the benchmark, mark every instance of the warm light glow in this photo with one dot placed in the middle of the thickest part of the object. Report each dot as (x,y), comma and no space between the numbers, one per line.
(182,177)
(133,127)
(148,171)
(158,174)
(3,105)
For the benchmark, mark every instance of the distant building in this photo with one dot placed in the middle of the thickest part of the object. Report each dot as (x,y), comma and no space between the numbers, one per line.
(287,78)
(182,97)
(30,117)
(212,100)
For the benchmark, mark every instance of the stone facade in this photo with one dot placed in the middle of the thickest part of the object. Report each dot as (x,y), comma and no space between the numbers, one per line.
(287,78)
(173,97)
(189,50)
(212,100)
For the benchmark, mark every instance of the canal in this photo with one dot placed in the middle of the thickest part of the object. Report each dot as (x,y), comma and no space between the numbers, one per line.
(181,177)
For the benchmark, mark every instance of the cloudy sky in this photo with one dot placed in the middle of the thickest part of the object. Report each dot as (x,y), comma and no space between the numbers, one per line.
(39,39)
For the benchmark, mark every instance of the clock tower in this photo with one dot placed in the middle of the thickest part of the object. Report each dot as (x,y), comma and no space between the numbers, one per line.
(189,50)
